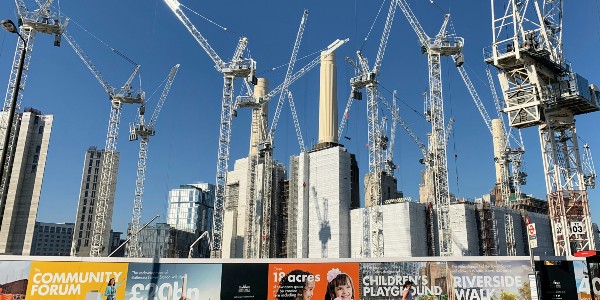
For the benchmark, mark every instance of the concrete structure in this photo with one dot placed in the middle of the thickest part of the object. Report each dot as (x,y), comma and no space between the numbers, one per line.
(499,143)
(404,229)
(115,242)
(389,189)
(260,117)
(52,239)
(465,234)
(236,206)
(191,208)
(19,208)
(88,194)
(323,184)
(328,104)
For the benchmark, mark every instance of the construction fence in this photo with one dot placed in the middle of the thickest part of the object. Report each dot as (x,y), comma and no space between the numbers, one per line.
(136,279)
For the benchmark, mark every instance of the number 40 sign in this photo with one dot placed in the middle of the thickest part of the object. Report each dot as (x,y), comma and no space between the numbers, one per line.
(576,228)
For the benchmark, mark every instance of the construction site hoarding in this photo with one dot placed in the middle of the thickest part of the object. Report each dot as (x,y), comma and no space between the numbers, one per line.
(314,280)
(489,279)
(369,279)
(379,281)
(173,281)
(75,280)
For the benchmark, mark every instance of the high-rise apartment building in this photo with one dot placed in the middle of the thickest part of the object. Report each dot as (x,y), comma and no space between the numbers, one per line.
(191,210)
(52,239)
(19,205)
(88,195)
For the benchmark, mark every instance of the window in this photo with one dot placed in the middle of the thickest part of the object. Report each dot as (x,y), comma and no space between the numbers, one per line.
(95,178)
(98,163)
(90,170)
(94,186)
(93,196)
(52,229)
(89,177)
(84,201)
(82,217)
(81,226)
(38,148)
(96,171)
(86,243)
(82,211)
(69,230)
(91,162)
(33,168)
(87,186)
(41,129)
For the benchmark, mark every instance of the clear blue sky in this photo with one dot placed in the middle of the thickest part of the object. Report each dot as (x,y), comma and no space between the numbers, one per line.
(184,149)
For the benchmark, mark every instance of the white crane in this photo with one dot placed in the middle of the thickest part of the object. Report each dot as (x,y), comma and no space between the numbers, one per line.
(144,130)
(117,97)
(237,67)
(540,88)
(367,78)
(508,161)
(441,45)
(41,20)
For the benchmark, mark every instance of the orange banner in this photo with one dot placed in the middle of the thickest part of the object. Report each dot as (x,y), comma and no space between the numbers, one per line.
(75,280)
(317,281)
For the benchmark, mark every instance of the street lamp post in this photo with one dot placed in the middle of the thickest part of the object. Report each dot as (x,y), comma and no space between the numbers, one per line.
(9,26)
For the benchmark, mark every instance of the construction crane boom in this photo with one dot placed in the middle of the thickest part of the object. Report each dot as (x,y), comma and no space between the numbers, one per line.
(41,20)
(373,242)
(117,97)
(442,45)
(144,131)
(238,67)
(174,5)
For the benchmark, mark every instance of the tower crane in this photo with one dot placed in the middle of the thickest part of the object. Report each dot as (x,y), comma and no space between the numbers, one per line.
(237,67)
(117,97)
(373,243)
(265,142)
(540,89)
(508,161)
(144,131)
(441,45)
(41,20)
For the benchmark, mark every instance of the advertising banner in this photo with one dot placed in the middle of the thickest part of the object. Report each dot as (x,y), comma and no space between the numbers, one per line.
(558,280)
(582,281)
(317,281)
(386,280)
(487,280)
(244,281)
(75,280)
(173,281)
(13,279)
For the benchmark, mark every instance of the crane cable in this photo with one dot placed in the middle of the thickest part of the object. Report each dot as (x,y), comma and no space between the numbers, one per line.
(372,25)
(211,21)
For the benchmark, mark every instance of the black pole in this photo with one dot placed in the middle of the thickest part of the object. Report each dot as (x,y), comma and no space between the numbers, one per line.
(11,113)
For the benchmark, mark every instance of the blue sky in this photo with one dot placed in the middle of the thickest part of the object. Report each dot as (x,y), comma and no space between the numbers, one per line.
(184,149)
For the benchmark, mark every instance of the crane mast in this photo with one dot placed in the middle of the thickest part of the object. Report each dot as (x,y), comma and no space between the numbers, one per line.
(41,20)
(144,131)
(373,243)
(237,67)
(442,45)
(117,97)
(540,89)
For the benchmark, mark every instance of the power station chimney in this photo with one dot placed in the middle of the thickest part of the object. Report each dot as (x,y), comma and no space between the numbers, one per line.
(260,116)
(499,146)
(328,106)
